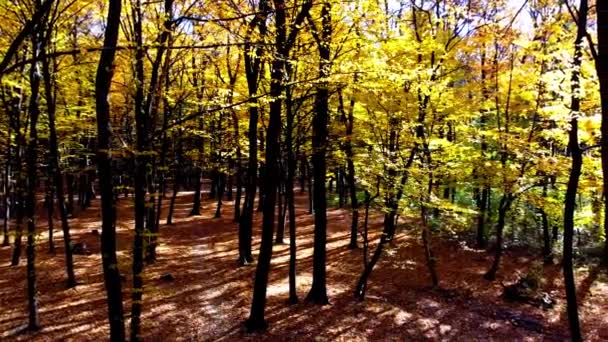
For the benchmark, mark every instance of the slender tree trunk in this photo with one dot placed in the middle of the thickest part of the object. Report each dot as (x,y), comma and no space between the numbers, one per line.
(289,194)
(221,181)
(483,191)
(108,211)
(252,59)
(575,173)
(280,205)
(55,172)
(362,283)
(19,185)
(49,213)
(7,191)
(310,185)
(505,204)
(426,234)
(32,158)
(303,167)
(176,178)
(547,248)
(547,245)
(239,168)
(256,320)
(142,175)
(350,165)
(318,290)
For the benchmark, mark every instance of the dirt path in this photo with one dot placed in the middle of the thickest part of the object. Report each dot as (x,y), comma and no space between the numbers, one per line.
(210,295)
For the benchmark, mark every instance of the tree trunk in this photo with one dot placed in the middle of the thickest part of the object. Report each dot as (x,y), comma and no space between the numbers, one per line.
(55,172)
(7,191)
(142,175)
(19,184)
(176,179)
(256,320)
(221,181)
(289,194)
(350,166)
(505,204)
(280,205)
(310,185)
(482,206)
(30,206)
(575,173)
(239,168)
(108,211)
(252,60)
(318,290)
(362,283)
(49,212)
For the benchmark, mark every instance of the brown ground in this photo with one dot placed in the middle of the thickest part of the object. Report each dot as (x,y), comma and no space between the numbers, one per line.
(210,296)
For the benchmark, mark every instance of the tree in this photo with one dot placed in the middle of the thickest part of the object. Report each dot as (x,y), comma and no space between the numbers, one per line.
(283,44)
(318,291)
(104,166)
(575,173)
(55,171)
(30,201)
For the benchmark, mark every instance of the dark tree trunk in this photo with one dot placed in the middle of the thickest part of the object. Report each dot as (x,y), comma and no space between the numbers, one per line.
(142,175)
(575,173)
(239,188)
(196,199)
(7,191)
(55,171)
(303,167)
(426,232)
(176,178)
(310,194)
(361,287)
(30,205)
(482,206)
(221,181)
(280,210)
(239,168)
(318,291)
(547,245)
(252,60)
(256,320)
(262,189)
(362,283)
(289,194)
(505,204)
(49,213)
(348,150)
(483,192)
(19,183)
(108,211)
(228,185)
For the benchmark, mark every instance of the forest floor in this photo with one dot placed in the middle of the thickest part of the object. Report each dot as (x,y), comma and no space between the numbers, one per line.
(210,296)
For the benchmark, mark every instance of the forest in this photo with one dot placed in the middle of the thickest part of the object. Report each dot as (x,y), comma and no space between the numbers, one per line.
(352,170)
